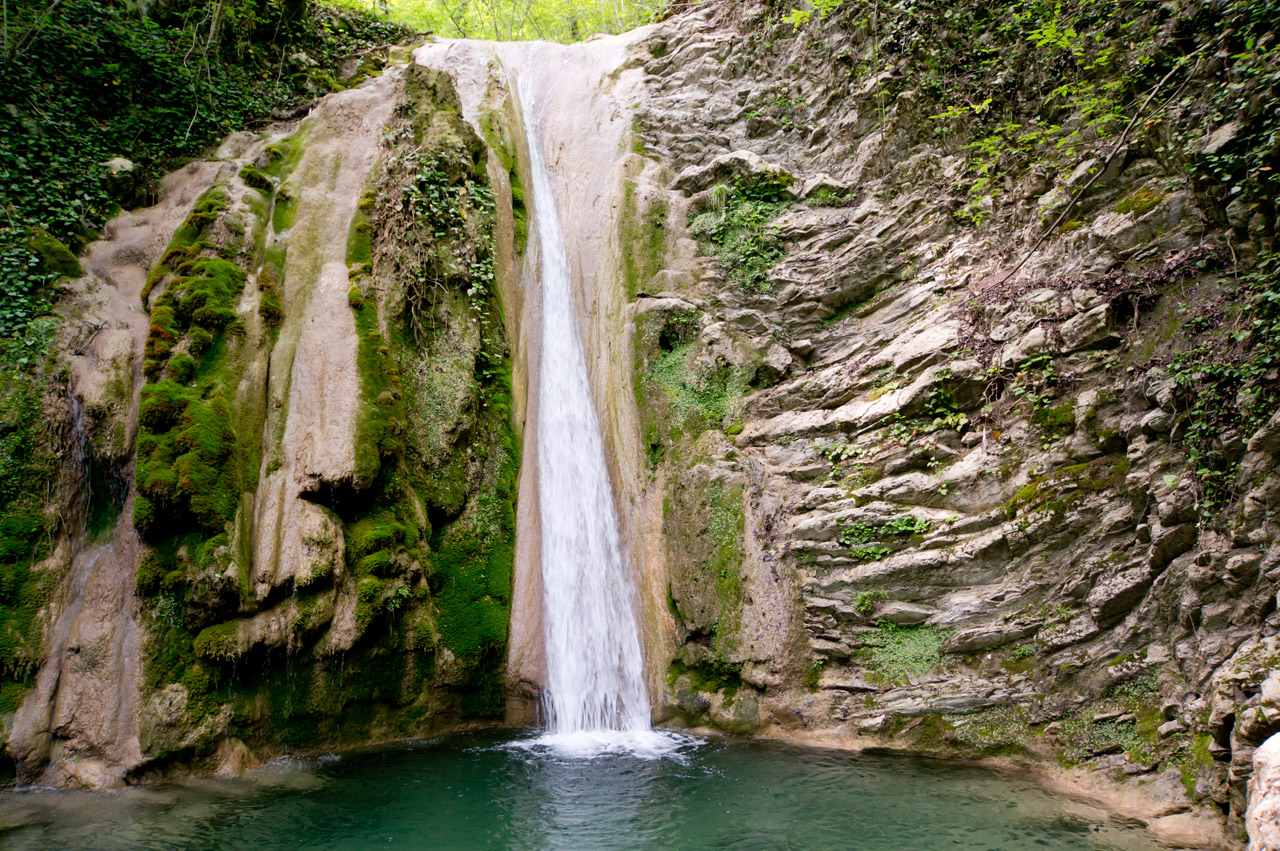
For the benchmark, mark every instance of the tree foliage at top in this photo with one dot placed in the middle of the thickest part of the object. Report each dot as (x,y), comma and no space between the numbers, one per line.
(518,20)
(85,81)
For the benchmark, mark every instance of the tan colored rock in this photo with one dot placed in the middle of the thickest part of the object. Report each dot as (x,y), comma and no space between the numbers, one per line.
(1089,330)
(724,168)
(235,759)
(1262,819)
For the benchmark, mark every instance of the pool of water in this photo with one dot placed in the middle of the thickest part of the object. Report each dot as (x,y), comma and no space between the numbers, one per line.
(495,791)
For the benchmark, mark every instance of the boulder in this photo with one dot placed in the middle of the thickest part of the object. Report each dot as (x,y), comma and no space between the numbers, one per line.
(725,168)
(986,637)
(1089,330)
(1030,344)
(905,614)
(1115,596)
(1262,818)
(1058,636)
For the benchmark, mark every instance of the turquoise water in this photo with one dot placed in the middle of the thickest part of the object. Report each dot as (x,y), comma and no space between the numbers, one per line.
(478,792)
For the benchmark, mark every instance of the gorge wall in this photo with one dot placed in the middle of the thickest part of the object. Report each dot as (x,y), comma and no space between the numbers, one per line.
(311,440)
(953,456)
(940,419)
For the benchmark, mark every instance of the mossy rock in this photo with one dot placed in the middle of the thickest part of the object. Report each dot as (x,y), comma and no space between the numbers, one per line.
(220,642)
(380,531)
(54,255)
(255,179)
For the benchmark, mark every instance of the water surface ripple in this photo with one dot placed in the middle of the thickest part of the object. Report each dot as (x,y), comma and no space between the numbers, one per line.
(478,792)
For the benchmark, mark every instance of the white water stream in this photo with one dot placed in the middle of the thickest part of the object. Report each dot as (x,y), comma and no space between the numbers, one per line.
(595,671)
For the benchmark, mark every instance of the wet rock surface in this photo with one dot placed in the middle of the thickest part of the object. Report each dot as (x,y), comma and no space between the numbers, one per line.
(968,482)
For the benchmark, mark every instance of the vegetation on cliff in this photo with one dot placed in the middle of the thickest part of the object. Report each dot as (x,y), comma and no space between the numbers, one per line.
(1063,93)
(88,81)
(1022,299)
(98,101)
(409,561)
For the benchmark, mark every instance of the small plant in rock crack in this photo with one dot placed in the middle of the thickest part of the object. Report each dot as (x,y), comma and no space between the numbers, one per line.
(838,455)
(897,652)
(899,430)
(866,532)
(813,676)
(867,601)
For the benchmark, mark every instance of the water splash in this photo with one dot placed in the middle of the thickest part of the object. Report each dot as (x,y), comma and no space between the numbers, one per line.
(595,698)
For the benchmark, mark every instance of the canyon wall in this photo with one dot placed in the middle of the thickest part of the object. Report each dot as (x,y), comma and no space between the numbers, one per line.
(942,463)
(926,433)
(312,445)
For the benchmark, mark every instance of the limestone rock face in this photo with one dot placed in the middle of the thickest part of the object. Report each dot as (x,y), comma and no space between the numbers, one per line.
(1263,817)
(893,462)
(968,516)
(314,451)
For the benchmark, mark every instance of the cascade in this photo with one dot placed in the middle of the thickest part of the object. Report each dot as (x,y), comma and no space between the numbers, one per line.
(595,678)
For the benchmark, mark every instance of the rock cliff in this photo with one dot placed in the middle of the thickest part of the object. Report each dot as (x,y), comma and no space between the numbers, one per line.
(938,383)
(944,465)
(312,433)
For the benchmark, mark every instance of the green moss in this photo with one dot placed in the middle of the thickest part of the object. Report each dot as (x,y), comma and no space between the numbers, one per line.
(705,544)
(474,561)
(696,400)
(726,530)
(714,675)
(1140,201)
(188,240)
(369,590)
(182,368)
(54,255)
(519,212)
(283,156)
(423,577)
(270,309)
(1197,763)
(359,237)
(1025,496)
(382,415)
(199,340)
(376,563)
(218,643)
(11,696)
(497,132)
(434,109)
(285,209)
(195,456)
(257,180)
(186,453)
(380,531)
(643,236)
(1055,421)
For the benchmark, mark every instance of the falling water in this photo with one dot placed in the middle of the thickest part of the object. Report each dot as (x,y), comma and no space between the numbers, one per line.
(595,679)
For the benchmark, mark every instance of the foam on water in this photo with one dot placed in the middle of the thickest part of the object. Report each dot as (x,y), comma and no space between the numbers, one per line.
(590,744)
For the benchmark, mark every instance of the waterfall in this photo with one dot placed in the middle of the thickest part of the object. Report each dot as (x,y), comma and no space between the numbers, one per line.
(595,675)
